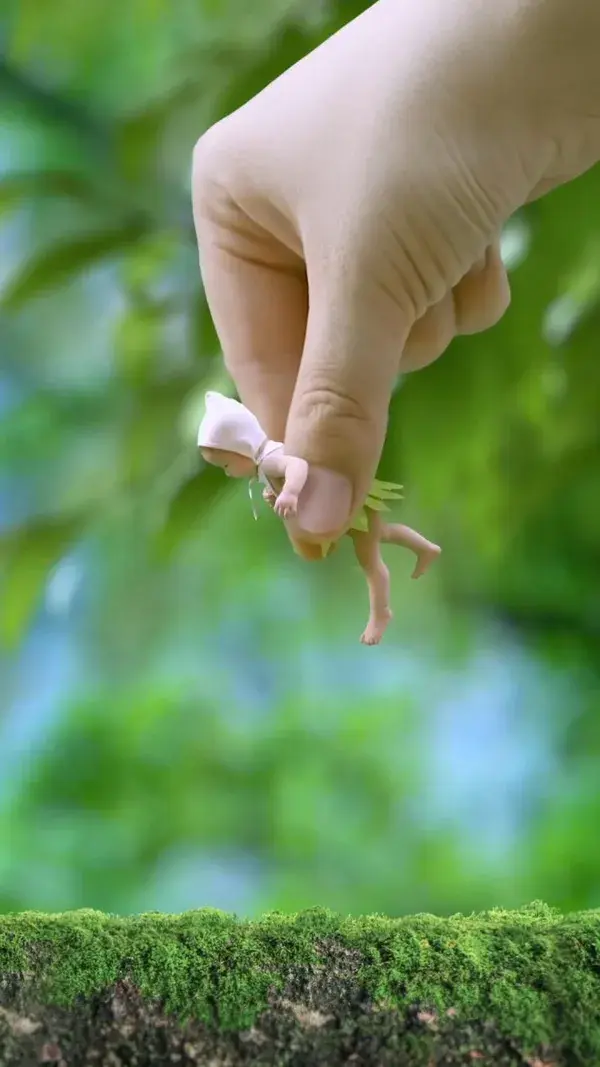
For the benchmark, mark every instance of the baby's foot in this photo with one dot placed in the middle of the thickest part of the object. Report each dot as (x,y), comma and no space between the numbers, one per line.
(376,627)
(425,558)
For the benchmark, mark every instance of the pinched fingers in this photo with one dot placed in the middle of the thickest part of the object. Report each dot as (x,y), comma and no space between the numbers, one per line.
(257,294)
(255,287)
(338,416)
(320,379)
(475,304)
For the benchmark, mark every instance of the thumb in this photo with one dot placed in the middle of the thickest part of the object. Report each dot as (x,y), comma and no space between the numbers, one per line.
(338,416)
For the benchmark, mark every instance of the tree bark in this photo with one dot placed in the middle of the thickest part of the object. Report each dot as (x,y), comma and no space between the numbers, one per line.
(520,989)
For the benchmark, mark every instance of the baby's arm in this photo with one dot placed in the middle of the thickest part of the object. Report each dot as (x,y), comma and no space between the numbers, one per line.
(294,472)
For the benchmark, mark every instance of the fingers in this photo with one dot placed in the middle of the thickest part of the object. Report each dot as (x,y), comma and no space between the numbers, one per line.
(430,335)
(256,290)
(355,338)
(286,506)
(257,293)
(338,416)
(483,295)
(332,368)
(477,303)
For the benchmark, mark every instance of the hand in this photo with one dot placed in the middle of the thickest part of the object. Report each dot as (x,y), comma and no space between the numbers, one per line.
(376,174)
(286,505)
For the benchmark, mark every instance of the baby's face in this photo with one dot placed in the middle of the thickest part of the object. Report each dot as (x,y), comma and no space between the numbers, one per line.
(234,465)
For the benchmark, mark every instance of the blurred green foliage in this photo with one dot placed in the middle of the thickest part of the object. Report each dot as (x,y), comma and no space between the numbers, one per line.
(186,717)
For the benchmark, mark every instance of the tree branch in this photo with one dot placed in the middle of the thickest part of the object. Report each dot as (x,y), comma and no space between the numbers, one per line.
(161,206)
(501,988)
(54,107)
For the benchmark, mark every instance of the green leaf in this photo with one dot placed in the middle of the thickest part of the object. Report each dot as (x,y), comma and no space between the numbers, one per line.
(151,434)
(203,335)
(18,186)
(189,505)
(138,338)
(61,263)
(282,51)
(138,136)
(26,558)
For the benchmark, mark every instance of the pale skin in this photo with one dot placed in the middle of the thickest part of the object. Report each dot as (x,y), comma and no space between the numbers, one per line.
(348,216)
(278,467)
(292,473)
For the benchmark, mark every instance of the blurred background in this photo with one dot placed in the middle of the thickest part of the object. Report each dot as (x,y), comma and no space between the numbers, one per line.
(186,715)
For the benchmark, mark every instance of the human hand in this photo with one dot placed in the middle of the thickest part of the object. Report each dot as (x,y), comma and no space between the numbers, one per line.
(286,505)
(376,174)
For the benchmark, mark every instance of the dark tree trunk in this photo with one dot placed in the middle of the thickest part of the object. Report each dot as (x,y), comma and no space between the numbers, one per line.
(501,988)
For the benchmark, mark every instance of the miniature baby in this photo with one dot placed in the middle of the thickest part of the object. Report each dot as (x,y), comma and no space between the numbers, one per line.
(231,437)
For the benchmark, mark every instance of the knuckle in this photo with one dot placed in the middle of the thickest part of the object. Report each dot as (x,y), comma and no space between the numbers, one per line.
(338,422)
(210,155)
(326,402)
(213,173)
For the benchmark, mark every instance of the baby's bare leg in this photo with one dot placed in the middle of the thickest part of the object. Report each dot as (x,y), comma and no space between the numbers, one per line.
(366,547)
(425,551)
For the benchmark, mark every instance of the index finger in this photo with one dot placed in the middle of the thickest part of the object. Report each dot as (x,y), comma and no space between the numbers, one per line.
(257,293)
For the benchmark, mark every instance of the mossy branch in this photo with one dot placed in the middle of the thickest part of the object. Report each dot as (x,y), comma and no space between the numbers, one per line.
(500,988)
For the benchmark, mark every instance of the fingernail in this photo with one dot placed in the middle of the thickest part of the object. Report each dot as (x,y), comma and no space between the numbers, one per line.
(325,504)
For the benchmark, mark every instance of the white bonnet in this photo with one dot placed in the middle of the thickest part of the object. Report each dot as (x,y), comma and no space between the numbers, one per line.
(229,426)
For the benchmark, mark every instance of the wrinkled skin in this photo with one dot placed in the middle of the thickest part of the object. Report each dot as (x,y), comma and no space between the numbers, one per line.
(348,215)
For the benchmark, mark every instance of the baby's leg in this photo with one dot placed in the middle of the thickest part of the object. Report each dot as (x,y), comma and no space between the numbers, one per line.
(424,550)
(366,547)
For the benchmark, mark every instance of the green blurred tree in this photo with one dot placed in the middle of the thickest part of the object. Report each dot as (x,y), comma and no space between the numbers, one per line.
(498,444)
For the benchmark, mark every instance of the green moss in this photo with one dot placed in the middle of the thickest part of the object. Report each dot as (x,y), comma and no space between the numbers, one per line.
(534,972)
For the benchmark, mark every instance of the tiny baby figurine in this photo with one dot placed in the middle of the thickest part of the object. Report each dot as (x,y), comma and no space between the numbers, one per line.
(231,437)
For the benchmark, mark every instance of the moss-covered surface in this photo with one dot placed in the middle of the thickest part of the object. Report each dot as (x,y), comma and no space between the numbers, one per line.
(510,988)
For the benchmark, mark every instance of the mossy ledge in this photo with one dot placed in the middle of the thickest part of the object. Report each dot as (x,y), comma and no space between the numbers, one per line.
(500,988)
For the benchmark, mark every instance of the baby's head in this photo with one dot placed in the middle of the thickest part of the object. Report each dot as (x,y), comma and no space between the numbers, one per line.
(230,436)
(233,463)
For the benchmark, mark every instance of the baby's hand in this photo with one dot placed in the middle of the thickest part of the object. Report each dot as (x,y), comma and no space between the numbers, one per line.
(286,505)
